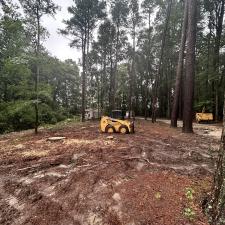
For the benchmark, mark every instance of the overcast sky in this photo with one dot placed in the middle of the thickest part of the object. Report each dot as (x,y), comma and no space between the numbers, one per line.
(56,44)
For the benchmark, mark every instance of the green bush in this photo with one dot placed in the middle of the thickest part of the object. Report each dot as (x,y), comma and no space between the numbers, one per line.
(60,117)
(20,115)
(46,114)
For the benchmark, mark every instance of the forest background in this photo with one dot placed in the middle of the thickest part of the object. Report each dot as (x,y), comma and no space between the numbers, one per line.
(127,48)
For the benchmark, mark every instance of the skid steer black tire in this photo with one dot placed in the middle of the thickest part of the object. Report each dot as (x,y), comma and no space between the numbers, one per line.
(123,127)
(108,127)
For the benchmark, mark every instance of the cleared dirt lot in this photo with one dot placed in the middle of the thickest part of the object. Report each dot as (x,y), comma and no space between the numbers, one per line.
(89,179)
(206,129)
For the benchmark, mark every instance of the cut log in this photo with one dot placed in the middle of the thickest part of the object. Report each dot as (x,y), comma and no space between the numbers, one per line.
(55,139)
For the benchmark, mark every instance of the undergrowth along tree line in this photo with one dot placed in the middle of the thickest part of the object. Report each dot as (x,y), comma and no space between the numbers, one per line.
(130,51)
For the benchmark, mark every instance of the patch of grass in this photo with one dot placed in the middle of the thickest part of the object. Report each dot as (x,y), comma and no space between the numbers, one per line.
(189,211)
(63,124)
(190,194)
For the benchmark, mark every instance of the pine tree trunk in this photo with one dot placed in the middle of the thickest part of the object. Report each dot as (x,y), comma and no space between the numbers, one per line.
(148,65)
(83,79)
(103,84)
(208,94)
(98,95)
(190,68)
(146,101)
(157,80)
(181,103)
(132,73)
(130,88)
(219,30)
(175,109)
(111,85)
(217,202)
(37,73)
(114,71)
(168,82)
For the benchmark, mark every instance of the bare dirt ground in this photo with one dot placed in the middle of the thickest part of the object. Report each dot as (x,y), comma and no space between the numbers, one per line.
(206,129)
(88,179)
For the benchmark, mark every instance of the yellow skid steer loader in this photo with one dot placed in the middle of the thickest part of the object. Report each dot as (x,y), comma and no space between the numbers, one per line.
(116,124)
(203,116)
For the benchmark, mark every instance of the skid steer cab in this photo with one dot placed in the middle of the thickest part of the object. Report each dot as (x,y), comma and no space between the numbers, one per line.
(116,123)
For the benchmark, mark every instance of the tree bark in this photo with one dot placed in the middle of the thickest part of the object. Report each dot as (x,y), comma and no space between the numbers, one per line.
(111,85)
(216,61)
(217,202)
(190,68)
(133,72)
(157,80)
(129,70)
(146,100)
(180,66)
(37,72)
(148,75)
(103,77)
(114,71)
(84,43)
(168,82)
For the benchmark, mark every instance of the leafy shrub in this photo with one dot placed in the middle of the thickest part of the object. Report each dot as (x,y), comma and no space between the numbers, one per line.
(189,211)
(20,115)
(47,115)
